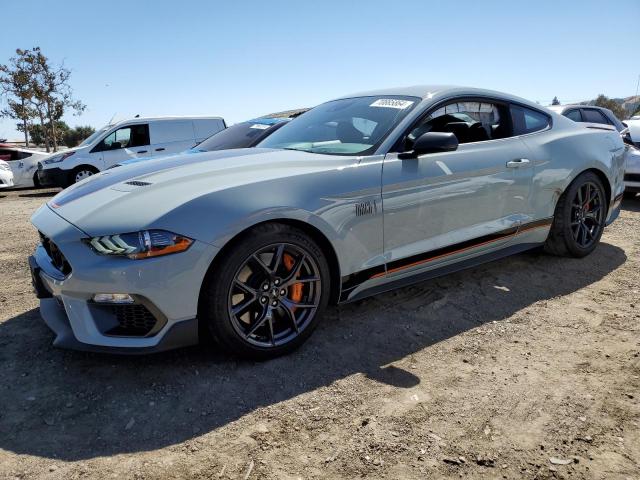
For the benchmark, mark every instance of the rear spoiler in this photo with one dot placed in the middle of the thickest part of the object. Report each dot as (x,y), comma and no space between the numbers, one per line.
(600,126)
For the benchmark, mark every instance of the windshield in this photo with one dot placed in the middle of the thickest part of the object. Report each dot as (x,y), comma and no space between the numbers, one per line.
(241,135)
(89,140)
(351,126)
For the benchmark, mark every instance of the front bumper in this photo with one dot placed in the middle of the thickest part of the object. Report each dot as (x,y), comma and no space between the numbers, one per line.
(6,179)
(53,177)
(167,288)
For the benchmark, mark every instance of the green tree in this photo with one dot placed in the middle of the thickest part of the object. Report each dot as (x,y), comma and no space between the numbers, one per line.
(605,102)
(41,134)
(16,87)
(555,101)
(76,135)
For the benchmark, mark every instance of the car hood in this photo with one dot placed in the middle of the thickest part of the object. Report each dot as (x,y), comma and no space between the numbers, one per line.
(158,193)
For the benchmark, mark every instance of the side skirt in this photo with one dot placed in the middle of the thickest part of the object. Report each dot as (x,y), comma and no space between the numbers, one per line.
(438,272)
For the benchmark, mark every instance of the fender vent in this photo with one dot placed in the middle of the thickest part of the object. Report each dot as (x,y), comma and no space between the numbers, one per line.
(137,183)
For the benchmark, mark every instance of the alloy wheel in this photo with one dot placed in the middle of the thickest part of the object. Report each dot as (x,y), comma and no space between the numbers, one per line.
(275,295)
(82,174)
(587,214)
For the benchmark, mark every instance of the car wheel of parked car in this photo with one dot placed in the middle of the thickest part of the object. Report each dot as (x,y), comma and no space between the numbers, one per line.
(80,173)
(267,294)
(579,218)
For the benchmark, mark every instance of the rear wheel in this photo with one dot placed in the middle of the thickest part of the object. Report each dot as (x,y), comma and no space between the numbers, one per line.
(266,296)
(80,173)
(579,218)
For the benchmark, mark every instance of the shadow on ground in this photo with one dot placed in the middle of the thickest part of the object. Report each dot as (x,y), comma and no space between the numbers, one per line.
(71,405)
(37,195)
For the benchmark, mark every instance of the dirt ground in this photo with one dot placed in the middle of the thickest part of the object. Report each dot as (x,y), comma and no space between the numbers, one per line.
(527,367)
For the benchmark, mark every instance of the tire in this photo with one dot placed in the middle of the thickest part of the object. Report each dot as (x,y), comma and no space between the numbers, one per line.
(630,195)
(576,231)
(80,173)
(36,181)
(246,277)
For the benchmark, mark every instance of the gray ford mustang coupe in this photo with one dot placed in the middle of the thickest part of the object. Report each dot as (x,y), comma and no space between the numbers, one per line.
(357,196)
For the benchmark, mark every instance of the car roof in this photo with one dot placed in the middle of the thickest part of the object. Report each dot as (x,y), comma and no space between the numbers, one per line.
(164,118)
(8,146)
(428,92)
(563,108)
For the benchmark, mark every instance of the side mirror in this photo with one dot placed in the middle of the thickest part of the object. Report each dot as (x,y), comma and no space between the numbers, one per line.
(432,142)
(115,146)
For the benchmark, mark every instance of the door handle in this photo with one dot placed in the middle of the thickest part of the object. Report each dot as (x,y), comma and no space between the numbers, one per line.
(141,151)
(518,162)
(160,149)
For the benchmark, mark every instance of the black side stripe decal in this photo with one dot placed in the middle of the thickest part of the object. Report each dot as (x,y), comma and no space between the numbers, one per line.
(350,282)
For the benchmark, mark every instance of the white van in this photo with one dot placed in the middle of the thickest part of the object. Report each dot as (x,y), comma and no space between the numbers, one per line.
(138,137)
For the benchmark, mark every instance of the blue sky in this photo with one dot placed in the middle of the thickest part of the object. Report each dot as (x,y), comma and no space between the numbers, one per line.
(245,59)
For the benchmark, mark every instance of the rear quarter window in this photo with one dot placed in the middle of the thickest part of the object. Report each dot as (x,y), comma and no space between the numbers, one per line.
(594,116)
(573,115)
(527,120)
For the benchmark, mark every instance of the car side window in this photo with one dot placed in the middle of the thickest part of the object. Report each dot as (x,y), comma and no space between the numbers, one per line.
(126,137)
(527,120)
(469,121)
(13,155)
(591,115)
(573,115)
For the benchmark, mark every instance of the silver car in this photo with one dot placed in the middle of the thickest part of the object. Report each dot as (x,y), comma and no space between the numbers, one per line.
(357,196)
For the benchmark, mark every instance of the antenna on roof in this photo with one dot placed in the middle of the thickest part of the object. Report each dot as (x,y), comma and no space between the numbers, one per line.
(111,121)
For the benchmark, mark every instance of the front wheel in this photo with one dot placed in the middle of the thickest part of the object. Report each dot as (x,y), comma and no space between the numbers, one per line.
(80,173)
(267,294)
(579,218)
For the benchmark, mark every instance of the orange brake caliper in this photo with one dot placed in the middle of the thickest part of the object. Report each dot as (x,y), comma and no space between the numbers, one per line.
(295,290)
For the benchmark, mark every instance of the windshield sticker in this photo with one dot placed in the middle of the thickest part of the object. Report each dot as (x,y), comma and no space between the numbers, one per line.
(392,103)
(259,126)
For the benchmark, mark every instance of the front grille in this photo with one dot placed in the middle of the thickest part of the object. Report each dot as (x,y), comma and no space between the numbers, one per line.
(133,321)
(632,177)
(56,256)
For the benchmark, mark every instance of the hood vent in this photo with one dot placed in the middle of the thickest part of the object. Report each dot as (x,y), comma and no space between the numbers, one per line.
(138,183)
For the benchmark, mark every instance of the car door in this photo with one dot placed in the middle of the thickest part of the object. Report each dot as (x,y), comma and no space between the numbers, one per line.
(124,143)
(478,193)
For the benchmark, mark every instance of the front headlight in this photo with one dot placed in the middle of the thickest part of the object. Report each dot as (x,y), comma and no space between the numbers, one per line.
(57,158)
(4,166)
(138,245)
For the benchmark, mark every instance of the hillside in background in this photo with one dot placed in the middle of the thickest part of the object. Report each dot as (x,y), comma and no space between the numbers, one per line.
(630,104)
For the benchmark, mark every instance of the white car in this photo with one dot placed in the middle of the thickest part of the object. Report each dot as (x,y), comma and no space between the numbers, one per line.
(23,163)
(632,173)
(633,125)
(6,175)
(127,139)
